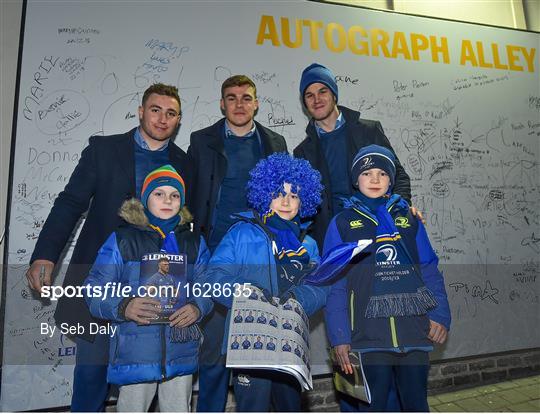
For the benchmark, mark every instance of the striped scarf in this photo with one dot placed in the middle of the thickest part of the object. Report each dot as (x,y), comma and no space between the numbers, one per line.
(397,287)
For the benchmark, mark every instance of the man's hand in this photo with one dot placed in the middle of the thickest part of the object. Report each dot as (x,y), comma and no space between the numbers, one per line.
(418,214)
(342,353)
(437,332)
(185,316)
(40,274)
(142,310)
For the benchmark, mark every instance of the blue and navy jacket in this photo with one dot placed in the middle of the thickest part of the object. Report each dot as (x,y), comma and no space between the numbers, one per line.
(245,255)
(143,353)
(349,296)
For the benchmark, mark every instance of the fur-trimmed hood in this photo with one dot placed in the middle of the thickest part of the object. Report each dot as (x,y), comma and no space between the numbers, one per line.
(132,211)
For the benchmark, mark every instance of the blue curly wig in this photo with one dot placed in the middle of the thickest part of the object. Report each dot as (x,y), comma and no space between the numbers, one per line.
(269,175)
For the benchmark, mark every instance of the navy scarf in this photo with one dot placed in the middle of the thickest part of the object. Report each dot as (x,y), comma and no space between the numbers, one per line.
(291,256)
(398,288)
(165,225)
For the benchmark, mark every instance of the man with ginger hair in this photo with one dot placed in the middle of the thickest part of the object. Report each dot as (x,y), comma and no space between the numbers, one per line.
(110,170)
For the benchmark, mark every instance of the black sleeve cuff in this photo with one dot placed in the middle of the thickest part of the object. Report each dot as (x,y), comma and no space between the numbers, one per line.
(122,308)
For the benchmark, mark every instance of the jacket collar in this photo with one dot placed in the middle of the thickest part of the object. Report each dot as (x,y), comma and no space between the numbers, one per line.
(354,142)
(395,201)
(357,141)
(126,156)
(351,117)
(215,138)
(132,212)
(253,217)
(266,144)
(175,154)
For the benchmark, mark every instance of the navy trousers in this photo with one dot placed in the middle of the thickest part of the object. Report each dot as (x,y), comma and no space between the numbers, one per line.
(260,390)
(409,371)
(213,375)
(90,387)
(350,404)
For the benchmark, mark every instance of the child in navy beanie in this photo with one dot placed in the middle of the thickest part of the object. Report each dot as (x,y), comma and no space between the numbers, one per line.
(391,305)
(374,156)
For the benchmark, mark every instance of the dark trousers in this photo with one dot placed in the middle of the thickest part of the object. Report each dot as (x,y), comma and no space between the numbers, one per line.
(213,375)
(260,390)
(90,387)
(410,373)
(350,404)
(213,387)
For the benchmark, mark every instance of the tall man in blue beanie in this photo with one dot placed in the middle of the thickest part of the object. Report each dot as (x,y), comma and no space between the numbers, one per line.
(334,135)
(110,170)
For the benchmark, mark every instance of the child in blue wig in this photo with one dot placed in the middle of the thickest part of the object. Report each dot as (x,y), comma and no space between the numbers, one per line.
(145,356)
(391,305)
(268,248)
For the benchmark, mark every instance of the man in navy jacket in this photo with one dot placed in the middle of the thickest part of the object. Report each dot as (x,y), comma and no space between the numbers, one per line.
(111,169)
(222,156)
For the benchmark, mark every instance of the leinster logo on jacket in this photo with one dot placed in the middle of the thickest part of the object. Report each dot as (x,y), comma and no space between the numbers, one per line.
(402,222)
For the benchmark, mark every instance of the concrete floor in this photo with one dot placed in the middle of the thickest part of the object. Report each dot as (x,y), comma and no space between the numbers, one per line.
(522,395)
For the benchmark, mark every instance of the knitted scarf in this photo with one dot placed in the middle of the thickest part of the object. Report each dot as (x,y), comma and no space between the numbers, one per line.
(164,225)
(291,256)
(397,287)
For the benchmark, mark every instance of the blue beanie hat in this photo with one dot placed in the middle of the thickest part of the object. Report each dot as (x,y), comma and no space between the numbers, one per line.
(374,156)
(164,175)
(318,73)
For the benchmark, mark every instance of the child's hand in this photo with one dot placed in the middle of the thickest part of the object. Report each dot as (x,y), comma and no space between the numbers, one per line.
(342,353)
(418,214)
(185,316)
(437,332)
(142,310)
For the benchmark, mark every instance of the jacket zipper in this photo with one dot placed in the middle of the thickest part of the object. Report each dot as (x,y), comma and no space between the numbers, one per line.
(163,353)
(271,258)
(393,332)
(351,303)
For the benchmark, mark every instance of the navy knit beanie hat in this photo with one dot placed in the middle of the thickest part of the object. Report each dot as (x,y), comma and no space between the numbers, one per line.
(318,73)
(374,156)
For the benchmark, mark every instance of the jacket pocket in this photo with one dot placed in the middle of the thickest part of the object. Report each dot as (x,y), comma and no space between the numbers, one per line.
(140,348)
(420,326)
